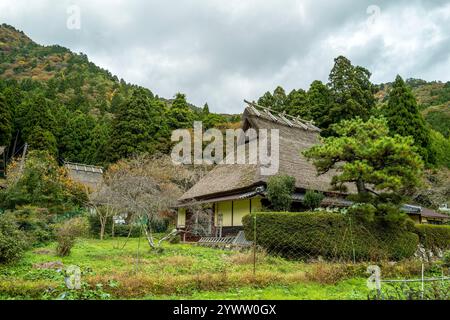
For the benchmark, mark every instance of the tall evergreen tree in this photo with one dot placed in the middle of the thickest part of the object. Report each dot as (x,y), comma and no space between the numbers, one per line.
(6,124)
(405,119)
(34,118)
(279,99)
(205,110)
(132,128)
(351,90)
(159,128)
(266,100)
(77,138)
(180,114)
(43,140)
(319,99)
(97,149)
(297,104)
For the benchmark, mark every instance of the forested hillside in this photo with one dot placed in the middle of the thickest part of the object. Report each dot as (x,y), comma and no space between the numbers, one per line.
(58,100)
(433,99)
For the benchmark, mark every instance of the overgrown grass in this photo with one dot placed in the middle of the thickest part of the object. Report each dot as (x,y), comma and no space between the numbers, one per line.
(183,271)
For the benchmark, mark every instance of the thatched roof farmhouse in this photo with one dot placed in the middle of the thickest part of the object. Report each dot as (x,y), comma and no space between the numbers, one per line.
(235,190)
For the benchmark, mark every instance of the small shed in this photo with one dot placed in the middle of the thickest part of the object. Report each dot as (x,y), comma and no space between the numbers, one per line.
(88,175)
(425,215)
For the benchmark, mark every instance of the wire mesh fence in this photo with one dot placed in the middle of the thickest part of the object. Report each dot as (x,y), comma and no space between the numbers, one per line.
(342,240)
(335,238)
(423,288)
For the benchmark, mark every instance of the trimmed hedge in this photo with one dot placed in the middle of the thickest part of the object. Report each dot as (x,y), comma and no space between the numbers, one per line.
(434,237)
(329,235)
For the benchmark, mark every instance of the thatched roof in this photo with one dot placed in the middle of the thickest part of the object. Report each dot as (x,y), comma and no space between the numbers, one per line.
(296,135)
(85,174)
(83,167)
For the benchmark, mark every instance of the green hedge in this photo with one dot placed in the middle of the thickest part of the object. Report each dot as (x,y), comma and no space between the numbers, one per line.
(434,237)
(329,235)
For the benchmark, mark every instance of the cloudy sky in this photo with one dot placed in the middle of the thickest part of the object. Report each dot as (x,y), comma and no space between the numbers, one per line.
(224,51)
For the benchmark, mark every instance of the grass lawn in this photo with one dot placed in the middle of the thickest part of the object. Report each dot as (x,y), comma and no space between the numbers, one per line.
(181,271)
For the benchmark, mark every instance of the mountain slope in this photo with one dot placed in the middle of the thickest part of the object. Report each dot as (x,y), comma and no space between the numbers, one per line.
(433,99)
(68,77)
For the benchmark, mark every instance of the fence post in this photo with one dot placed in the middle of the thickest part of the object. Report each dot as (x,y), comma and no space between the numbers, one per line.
(423,287)
(351,237)
(254,244)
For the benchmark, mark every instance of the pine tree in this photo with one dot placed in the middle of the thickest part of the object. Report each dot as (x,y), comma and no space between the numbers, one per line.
(6,124)
(381,166)
(405,119)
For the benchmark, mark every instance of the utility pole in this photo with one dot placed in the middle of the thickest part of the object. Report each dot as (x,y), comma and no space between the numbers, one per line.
(22,161)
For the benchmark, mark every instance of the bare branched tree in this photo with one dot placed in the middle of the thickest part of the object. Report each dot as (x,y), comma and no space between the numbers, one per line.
(200,222)
(148,186)
(104,201)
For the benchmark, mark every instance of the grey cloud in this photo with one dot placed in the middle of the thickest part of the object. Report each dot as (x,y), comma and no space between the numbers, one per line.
(225,51)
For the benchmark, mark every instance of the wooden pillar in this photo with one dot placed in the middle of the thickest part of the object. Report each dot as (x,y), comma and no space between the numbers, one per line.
(232,213)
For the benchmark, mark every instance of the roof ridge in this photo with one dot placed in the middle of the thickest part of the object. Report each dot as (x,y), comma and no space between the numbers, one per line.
(281,117)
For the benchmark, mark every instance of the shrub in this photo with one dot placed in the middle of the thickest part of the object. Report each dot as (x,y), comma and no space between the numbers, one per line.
(41,183)
(313,199)
(446,259)
(12,240)
(279,192)
(329,235)
(176,239)
(36,224)
(122,230)
(434,237)
(67,233)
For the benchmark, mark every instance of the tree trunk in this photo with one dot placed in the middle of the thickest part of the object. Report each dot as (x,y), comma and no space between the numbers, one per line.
(112,228)
(102,228)
(149,237)
(360,185)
